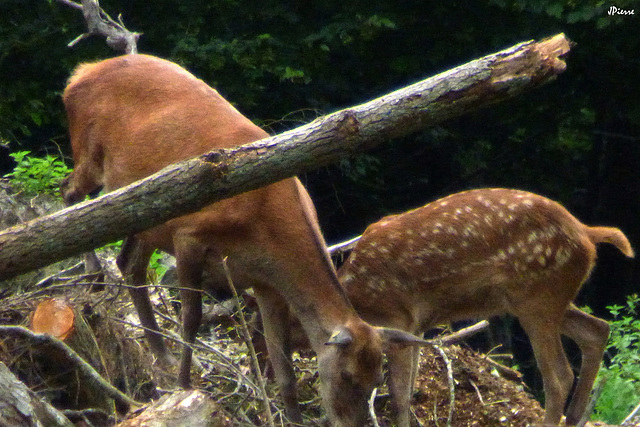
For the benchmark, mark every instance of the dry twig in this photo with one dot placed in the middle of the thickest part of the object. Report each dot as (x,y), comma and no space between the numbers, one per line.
(461,334)
(631,416)
(452,389)
(505,371)
(343,247)
(475,387)
(252,351)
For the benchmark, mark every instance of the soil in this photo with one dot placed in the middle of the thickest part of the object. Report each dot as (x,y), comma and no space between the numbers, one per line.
(483,397)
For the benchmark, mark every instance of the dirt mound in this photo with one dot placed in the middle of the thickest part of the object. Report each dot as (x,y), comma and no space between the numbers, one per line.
(483,396)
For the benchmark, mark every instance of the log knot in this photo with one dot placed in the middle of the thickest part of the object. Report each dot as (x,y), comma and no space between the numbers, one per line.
(348,125)
(218,160)
(215,156)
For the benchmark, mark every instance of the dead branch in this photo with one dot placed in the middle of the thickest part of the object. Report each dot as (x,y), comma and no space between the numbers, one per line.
(101,24)
(372,409)
(189,185)
(505,371)
(343,247)
(461,334)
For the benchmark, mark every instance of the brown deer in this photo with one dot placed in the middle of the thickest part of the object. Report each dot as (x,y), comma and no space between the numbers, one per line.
(478,254)
(131,116)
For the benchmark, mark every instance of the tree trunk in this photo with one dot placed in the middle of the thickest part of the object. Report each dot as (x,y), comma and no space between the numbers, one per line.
(189,185)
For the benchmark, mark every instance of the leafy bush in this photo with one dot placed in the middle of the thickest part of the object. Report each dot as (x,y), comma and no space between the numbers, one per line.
(35,175)
(621,390)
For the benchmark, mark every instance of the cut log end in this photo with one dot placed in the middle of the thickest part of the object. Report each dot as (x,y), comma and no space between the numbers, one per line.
(53,316)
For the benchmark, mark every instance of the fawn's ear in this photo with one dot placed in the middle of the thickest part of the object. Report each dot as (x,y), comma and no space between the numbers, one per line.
(341,337)
(401,338)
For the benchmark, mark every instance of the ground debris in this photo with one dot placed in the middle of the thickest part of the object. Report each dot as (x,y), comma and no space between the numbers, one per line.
(223,372)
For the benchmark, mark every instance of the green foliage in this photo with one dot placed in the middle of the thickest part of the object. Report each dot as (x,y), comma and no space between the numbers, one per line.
(37,175)
(622,372)
(158,268)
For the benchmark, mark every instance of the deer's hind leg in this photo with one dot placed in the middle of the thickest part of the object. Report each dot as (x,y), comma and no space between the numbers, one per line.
(557,375)
(591,335)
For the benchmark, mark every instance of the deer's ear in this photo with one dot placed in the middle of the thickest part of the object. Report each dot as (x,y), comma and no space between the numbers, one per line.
(402,338)
(341,337)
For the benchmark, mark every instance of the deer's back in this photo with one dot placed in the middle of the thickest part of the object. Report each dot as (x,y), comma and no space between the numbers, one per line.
(142,113)
(472,254)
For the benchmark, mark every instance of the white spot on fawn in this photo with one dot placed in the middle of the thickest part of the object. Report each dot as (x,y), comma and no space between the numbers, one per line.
(501,256)
(562,256)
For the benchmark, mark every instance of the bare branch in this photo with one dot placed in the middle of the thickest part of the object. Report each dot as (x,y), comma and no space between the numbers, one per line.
(70,4)
(452,387)
(462,333)
(372,409)
(101,24)
(343,247)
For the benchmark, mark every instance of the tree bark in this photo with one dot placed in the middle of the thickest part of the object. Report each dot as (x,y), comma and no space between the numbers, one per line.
(19,406)
(181,409)
(189,185)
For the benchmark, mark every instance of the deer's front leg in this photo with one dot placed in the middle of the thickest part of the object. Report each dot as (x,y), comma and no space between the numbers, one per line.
(133,261)
(402,362)
(277,331)
(190,258)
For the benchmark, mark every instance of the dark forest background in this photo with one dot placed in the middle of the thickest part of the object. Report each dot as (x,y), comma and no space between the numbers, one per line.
(283,63)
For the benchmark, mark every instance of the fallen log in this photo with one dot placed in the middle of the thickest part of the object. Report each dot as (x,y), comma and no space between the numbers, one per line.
(19,406)
(189,185)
